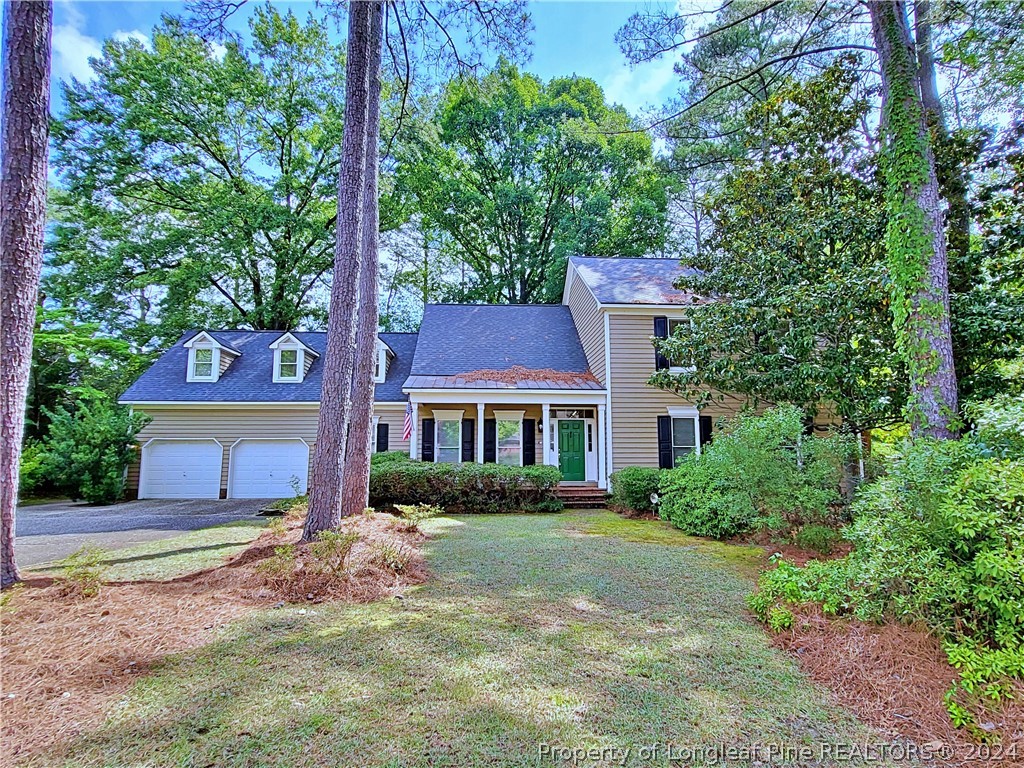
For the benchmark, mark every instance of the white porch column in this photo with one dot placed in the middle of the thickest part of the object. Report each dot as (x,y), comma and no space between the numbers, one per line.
(602,450)
(414,435)
(479,433)
(545,442)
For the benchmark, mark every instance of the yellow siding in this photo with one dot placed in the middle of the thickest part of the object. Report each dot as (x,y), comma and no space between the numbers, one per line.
(230,424)
(589,325)
(635,405)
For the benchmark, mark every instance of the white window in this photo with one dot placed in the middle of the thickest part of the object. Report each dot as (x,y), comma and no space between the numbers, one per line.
(685,432)
(289,363)
(380,368)
(680,366)
(509,425)
(202,363)
(449,441)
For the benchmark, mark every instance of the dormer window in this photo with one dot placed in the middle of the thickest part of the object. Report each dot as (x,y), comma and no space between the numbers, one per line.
(292,359)
(202,363)
(288,361)
(380,368)
(208,358)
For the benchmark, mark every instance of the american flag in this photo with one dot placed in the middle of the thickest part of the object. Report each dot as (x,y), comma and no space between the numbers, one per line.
(407,424)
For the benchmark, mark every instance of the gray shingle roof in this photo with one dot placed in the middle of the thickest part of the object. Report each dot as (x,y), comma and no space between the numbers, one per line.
(632,281)
(250,376)
(458,339)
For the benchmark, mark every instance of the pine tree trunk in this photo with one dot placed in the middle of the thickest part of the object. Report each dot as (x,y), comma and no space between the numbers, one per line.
(915,237)
(356,473)
(336,394)
(23,146)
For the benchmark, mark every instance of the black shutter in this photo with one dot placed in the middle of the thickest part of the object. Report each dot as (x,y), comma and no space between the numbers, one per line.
(660,332)
(382,437)
(468,439)
(665,442)
(490,441)
(707,429)
(529,444)
(427,440)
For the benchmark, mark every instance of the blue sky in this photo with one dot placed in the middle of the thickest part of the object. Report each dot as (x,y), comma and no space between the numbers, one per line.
(570,37)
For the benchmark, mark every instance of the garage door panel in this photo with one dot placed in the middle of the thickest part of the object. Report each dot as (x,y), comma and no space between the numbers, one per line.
(268,469)
(181,469)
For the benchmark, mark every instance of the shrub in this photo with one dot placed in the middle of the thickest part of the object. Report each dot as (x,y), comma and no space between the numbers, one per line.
(391,556)
(819,538)
(331,550)
(758,473)
(88,451)
(939,540)
(32,470)
(634,486)
(414,514)
(82,571)
(465,488)
(279,568)
(388,457)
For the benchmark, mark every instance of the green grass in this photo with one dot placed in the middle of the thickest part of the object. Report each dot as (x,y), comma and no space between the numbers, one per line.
(169,558)
(533,630)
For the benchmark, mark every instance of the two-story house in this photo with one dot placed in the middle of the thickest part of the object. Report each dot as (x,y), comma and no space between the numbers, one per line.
(234,413)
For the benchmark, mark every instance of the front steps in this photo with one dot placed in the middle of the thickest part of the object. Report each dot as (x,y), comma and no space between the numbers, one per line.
(582,496)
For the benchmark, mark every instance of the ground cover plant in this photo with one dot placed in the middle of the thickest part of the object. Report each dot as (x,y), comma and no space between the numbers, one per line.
(937,541)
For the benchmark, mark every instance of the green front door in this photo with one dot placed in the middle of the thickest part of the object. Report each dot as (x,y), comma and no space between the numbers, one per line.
(572,458)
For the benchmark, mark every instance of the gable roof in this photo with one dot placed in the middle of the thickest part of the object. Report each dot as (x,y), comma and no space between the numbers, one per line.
(618,280)
(499,346)
(249,378)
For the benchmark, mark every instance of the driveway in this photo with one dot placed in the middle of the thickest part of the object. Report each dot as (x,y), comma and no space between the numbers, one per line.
(47,532)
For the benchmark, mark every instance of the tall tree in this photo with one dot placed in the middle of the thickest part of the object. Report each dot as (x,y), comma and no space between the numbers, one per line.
(795,256)
(362,79)
(915,235)
(519,174)
(24,134)
(199,183)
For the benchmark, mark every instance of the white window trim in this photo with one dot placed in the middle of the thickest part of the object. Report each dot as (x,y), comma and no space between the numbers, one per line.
(679,368)
(300,364)
(373,434)
(438,417)
(380,372)
(214,365)
(510,416)
(681,412)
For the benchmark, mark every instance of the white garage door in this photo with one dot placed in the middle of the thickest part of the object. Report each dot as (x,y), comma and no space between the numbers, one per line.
(268,469)
(180,469)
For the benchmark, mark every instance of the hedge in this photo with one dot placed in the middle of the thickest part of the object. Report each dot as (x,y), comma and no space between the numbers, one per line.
(464,488)
(633,487)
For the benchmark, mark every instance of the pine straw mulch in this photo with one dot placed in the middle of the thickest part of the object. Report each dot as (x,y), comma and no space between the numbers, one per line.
(64,659)
(894,677)
(517,373)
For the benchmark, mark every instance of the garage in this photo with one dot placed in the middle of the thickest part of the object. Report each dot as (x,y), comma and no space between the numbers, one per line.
(180,469)
(268,469)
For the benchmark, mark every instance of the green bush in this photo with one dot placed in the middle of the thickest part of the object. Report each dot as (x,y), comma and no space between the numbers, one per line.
(388,457)
(87,452)
(759,473)
(82,571)
(465,488)
(414,514)
(819,538)
(634,486)
(32,470)
(939,540)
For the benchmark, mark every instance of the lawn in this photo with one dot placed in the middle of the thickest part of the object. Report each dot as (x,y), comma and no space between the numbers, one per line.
(578,630)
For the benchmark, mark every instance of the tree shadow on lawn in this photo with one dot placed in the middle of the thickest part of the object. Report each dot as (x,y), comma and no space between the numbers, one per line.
(528,635)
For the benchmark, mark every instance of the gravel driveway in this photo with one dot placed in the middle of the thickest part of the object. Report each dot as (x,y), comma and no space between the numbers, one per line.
(47,532)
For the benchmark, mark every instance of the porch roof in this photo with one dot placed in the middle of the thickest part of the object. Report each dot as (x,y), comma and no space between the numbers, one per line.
(534,381)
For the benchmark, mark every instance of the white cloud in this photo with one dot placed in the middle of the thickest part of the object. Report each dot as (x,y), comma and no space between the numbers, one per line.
(641,86)
(72,47)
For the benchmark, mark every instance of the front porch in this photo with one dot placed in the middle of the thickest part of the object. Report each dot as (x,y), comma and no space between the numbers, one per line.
(564,429)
